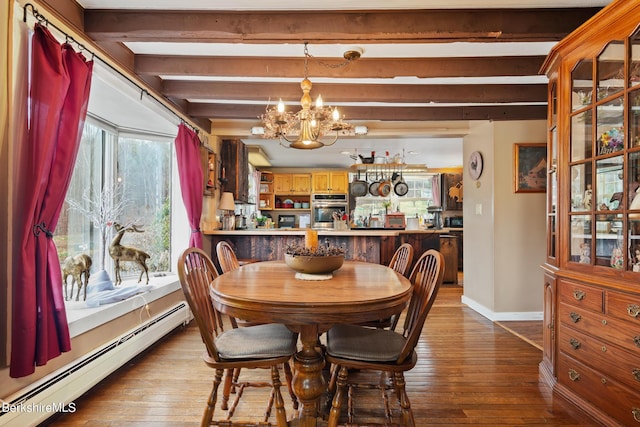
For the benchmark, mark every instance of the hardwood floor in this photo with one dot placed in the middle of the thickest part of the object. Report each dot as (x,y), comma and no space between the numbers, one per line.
(470,372)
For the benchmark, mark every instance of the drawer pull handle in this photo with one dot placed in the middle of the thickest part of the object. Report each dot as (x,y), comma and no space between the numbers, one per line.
(575,343)
(636,374)
(636,414)
(633,310)
(636,340)
(575,317)
(604,349)
(603,380)
(579,295)
(604,322)
(573,375)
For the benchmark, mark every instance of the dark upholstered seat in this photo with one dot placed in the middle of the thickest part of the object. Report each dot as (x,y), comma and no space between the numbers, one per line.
(263,346)
(392,353)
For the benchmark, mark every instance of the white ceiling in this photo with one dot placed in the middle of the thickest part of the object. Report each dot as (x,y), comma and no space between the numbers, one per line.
(435,144)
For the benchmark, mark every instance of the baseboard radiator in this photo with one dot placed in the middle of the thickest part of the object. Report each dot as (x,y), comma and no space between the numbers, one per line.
(57,391)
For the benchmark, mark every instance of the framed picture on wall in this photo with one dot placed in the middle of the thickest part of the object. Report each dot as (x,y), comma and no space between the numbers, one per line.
(530,167)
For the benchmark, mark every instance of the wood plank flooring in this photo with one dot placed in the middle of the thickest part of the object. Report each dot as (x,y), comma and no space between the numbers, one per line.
(470,372)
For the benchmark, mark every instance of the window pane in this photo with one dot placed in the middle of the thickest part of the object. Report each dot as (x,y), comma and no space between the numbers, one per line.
(609,242)
(634,242)
(144,174)
(610,131)
(414,203)
(581,187)
(582,85)
(634,118)
(609,183)
(611,69)
(580,239)
(75,233)
(581,128)
(633,165)
(634,72)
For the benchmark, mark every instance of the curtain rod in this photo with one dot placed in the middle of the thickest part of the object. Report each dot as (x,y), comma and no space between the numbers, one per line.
(69,39)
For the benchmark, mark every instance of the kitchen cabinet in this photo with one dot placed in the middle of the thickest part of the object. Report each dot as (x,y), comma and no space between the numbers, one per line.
(449,250)
(292,184)
(266,194)
(235,169)
(591,338)
(327,182)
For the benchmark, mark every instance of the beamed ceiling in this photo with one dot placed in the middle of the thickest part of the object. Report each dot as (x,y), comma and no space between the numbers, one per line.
(427,67)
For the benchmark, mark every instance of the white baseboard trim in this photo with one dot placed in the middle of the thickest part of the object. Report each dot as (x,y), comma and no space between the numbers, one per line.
(501,316)
(56,392)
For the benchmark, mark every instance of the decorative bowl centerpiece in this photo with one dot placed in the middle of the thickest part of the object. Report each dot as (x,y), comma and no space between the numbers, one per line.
(314,260)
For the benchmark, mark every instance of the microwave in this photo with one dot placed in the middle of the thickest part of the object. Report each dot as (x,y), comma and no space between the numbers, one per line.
(453,222)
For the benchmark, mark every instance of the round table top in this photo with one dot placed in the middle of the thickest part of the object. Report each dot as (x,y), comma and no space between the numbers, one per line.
(269,292)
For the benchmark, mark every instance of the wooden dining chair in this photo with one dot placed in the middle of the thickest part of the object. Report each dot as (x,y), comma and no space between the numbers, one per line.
(400,263)
(228,261)
(390,352)
(402,259)
(226,257)
(262,346)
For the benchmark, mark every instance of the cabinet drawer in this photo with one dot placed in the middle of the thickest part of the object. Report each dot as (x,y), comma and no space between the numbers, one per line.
(623,306)
(583,320)
(580,295)
(616,400)
(619,364)
(622,333)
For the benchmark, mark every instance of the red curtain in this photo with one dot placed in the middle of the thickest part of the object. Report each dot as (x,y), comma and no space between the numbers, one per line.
(59,93)
(191,179)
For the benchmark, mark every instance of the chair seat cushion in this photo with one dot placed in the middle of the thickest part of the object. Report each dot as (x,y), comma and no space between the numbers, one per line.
(361,343)
(252,342)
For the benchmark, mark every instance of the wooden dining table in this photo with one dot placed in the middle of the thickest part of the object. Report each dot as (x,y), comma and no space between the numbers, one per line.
(269,292)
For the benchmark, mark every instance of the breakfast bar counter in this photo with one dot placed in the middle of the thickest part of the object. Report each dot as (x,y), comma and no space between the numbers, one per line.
(369,245)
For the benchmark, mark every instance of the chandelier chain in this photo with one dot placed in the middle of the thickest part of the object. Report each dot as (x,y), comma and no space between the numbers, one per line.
(322,63)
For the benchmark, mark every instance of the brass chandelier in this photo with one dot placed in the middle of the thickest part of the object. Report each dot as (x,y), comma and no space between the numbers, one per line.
(312,127)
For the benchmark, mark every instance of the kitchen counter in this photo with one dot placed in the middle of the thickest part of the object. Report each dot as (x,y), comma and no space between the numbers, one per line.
(301,232)
(370,245)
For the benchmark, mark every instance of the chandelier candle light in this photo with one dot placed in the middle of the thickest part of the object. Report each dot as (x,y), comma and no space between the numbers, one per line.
(313,126)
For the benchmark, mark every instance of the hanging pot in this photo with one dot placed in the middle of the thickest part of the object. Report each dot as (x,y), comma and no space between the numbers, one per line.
(359,187)
(373,187)
(384,188)
(401,188)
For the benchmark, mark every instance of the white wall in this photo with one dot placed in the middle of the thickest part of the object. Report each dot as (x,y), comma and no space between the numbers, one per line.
(504,231)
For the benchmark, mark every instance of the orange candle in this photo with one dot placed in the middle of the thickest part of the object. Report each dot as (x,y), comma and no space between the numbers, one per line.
(311,239)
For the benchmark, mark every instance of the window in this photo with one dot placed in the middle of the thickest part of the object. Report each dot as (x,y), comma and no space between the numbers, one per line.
(134,171)
(414,203)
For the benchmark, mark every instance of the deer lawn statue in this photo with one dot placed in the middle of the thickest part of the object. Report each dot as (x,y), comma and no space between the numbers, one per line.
(126,253)
(77,267)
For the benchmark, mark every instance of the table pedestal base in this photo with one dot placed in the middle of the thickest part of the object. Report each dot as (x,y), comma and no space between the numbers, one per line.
(308,382)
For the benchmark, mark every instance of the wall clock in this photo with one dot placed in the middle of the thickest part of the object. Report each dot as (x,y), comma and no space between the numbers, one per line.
(475,165)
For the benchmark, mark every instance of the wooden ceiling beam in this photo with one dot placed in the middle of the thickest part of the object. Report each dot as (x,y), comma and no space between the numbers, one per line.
(362,68)
(406,26)
(503,112)
(332,93)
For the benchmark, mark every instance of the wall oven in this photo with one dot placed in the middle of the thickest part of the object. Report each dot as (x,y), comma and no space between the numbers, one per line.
(324,205)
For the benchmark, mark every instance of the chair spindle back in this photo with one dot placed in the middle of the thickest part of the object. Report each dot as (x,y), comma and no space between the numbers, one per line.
(427,276)
(226,257)
(196,271)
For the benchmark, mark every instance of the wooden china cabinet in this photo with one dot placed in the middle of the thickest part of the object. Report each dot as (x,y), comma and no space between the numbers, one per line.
(591,352)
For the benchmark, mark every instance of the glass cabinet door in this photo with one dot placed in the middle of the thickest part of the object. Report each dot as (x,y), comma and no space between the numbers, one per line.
(604,159)
(552,175)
